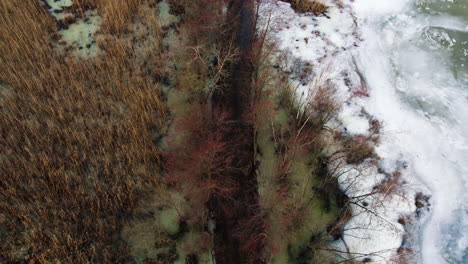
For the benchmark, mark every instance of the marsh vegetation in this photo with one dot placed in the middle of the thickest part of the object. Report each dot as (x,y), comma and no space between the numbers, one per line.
(178,141)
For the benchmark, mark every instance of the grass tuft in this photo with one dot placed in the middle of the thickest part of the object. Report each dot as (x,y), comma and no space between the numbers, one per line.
(308,6)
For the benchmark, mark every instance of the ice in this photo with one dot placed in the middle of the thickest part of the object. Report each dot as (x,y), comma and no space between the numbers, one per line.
(432,131)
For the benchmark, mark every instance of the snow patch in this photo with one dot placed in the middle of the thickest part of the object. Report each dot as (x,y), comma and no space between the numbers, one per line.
(79,36)
(56,8)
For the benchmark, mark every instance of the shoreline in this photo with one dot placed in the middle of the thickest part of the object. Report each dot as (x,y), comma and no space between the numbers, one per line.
(340,30)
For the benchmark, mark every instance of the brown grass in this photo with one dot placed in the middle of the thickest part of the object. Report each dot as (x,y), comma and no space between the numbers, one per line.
(117,14)
(308,6)
(78,140)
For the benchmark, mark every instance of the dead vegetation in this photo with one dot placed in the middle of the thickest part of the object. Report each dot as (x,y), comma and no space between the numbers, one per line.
(82,173)
(315,7)
(209,157)
(78,140)
(117,14)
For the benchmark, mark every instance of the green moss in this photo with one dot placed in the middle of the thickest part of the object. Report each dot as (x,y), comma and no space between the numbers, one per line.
(169,220)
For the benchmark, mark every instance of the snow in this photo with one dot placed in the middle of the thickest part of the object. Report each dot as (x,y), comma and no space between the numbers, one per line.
(80,35)
(56,8)
(331,48)
(353,122)
(426,109)
(59,4)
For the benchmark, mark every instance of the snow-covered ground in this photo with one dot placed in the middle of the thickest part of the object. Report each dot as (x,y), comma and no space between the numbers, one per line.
(398,64)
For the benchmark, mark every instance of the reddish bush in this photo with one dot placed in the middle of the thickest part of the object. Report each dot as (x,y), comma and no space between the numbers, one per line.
(206,19)
(198,162)
(251,232)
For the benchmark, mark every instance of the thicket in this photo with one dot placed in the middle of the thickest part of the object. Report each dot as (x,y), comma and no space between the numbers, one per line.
(209,158)
(300,200)
(299,159)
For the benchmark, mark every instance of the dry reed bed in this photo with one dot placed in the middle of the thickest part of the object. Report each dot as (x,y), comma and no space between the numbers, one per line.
(77,139)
